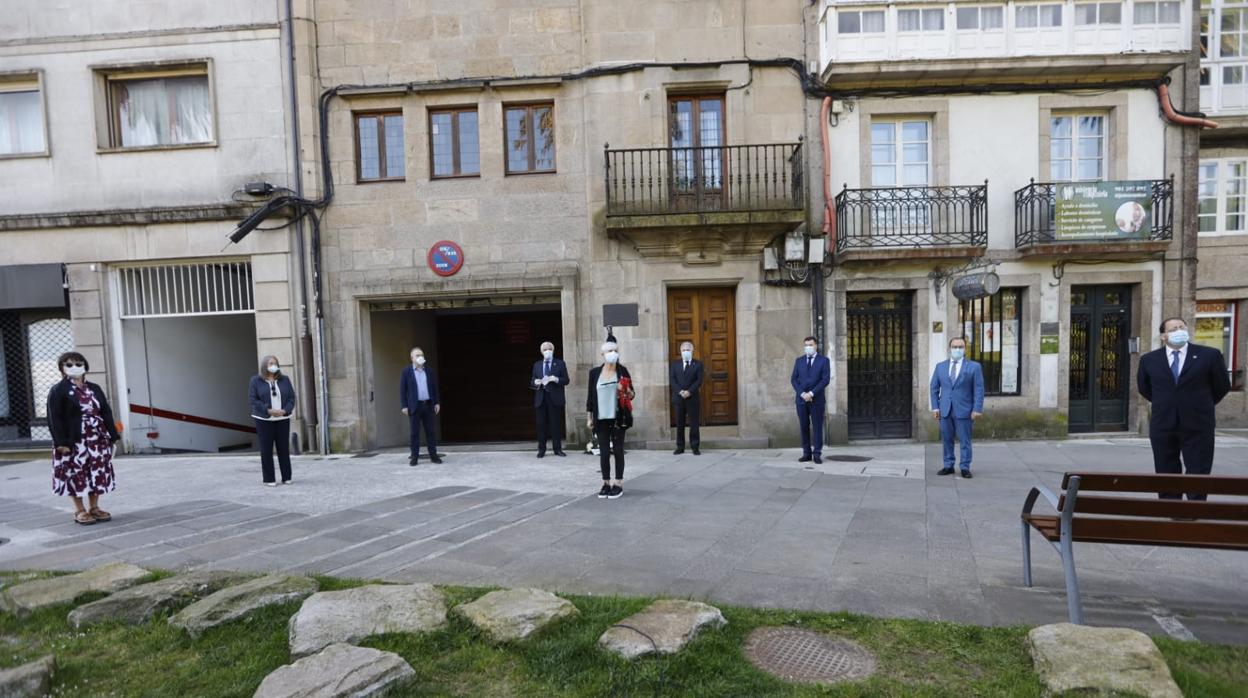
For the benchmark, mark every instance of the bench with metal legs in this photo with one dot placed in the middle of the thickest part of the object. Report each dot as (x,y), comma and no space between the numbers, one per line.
(1064,545)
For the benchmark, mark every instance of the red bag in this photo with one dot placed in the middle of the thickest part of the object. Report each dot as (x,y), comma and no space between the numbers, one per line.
(626,387)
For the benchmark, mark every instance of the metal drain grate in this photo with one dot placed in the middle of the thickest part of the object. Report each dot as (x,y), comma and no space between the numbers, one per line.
(805,656)
(848,459)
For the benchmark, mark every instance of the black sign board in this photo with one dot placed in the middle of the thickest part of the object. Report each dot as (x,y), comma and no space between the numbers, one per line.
(620,315)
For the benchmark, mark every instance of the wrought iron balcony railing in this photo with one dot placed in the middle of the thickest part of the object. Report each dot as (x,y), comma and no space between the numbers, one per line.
(740,178)
(1035,216)
(915,217)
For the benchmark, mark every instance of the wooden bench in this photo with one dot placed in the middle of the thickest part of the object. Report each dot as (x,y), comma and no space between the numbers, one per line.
(1088,512)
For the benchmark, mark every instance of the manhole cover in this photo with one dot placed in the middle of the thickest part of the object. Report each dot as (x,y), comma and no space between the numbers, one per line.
(849,459)
(805,656)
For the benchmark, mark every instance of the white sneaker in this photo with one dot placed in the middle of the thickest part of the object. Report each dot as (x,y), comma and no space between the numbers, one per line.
(287,482)
(270,484)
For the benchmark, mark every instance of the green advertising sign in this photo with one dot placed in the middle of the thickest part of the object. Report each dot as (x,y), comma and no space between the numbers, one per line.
(1104,210)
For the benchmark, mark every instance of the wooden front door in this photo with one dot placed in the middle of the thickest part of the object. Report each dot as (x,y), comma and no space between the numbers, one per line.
(707,317)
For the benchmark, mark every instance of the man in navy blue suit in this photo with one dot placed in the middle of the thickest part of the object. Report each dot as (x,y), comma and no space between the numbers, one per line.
(418,393)
(957,401)
(1184,382)
(549,377)
(811,373)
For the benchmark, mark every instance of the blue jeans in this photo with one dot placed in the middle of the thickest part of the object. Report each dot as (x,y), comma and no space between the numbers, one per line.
(950,427)
(810,419)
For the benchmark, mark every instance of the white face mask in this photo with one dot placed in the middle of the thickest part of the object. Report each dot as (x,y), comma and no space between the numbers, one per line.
(274,368)
(612,356)
(810,351)
(686,355)
(419,361)
(957,354)
(1177,338)
(75,371)
(549,354)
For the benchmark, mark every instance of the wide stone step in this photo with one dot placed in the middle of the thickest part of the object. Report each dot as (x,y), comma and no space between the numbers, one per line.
(350,615)
(338,671)
(139,604)
(663,627)
(41,593)
(233,603)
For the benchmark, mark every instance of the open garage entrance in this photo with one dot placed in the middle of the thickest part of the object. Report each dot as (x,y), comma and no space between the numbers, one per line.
(481,349)
(188,343)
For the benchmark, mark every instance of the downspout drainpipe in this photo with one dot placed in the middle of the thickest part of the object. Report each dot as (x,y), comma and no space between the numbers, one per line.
(1167,108)
(307,379)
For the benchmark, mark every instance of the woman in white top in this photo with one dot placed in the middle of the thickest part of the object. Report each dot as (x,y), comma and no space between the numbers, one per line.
(604,417)
(272,404)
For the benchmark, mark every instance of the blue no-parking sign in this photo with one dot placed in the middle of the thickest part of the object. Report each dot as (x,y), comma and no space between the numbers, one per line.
(445,258)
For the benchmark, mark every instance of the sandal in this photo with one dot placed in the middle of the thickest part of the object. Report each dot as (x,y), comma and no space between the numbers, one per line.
(84,518)
(101,515)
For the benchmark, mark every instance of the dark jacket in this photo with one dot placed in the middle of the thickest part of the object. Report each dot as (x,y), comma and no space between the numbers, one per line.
(551,391)
(1189,404)
(261,395)
(811,380)
(409,392)
(591,403)
(65,414)
(679,379)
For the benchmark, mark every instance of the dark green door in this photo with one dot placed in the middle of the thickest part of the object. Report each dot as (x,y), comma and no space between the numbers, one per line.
(1100,374)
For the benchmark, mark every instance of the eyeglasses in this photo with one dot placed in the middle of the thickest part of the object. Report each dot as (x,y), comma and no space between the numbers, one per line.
(75,364)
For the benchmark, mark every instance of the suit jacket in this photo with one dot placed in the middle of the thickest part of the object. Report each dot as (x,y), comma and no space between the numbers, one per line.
(65,414)
(550,391)
(811,380)
(260,394)
(680,379)
(1189,404)
(409,392)
(958,397)
(591,403)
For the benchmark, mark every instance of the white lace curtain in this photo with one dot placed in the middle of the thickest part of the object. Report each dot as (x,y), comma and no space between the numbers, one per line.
(166,111)
(21,123)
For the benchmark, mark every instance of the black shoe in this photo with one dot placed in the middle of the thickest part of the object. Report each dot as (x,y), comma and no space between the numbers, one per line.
(945,471)
(413,462)
(967,474)
(678,451)
(818,460)
(804,459)
(541,454)
(606,490)
(615,493)
(696,452)
(436,459)
(561,454)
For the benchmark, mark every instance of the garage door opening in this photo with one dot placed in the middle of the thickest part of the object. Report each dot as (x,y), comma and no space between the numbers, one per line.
(482,357)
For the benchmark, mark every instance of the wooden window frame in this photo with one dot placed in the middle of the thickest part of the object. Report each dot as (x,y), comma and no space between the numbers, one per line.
(529,109)
(455,154)
(111,78)
(381,145)
(696,97)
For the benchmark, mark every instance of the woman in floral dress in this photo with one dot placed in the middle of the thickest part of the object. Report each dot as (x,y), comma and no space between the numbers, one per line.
(83,433)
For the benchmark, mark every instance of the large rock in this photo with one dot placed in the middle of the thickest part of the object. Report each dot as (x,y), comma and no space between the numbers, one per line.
(1079,658)
(671,624)
(139,604)
(353,614)
(33,680)
(41,593)
(338,670)
(514,614)
(241,601)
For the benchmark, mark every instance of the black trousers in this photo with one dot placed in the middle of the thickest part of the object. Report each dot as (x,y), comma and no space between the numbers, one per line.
(549,425)
(690,410)
(610,440)
(272,434)
(420,417)
(1195,447)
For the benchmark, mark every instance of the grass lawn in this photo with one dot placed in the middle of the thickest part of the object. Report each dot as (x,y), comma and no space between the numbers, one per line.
(916,658)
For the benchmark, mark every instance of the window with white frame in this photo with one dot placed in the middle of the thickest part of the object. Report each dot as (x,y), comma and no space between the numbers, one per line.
(1044,16)
(1223,195)
(981,17)
(860,22)
(1224,56)
(1077,147)
(1090,13)
(928,19)
(901,152)
(1216,327)
(159,106)
(1167,12)
(21,116)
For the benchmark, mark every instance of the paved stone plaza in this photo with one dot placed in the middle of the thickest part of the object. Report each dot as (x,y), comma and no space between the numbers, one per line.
(884,537)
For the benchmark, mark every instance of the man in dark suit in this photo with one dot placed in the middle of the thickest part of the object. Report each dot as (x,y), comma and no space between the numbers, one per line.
(811,373)
(418,393)
(549,377)
(1184,382)
(685,378)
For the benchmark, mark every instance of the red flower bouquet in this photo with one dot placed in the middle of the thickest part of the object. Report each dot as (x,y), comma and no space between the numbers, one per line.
(626,394)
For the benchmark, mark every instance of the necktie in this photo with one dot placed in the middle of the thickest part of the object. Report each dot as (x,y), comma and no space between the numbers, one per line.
(953,370)
(547,373)
(686,365)
(1174,365)
(810,362)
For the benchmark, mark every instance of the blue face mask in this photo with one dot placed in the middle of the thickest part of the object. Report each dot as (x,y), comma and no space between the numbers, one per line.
(957,354)
(1177,338)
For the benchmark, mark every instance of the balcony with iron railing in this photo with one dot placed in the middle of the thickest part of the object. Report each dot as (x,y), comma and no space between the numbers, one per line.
(911,222)
(1136,229)
(754,188)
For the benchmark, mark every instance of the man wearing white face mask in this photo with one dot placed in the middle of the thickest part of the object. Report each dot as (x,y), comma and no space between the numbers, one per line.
(811,373)
(548,378)
(1184,382)
(957,389)
(418,394)
(685,378)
